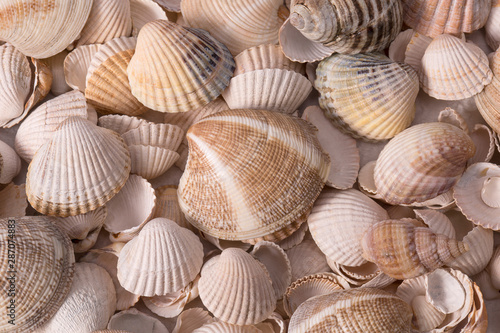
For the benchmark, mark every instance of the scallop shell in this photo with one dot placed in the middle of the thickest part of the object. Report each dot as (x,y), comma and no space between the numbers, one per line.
(43,28)
(169,272)
(367,95)
(408,251)
(157,135)
(234,194)
(13,201)
(190,69)
(237,288)
(42,248)
(422,162)
(120,123)
(436,17)
(136,321)
(10,163)
(306,259)
(76,65)
(488,103)
(353,310)
(144,11)
(453,69)
(95,160)
(238,24)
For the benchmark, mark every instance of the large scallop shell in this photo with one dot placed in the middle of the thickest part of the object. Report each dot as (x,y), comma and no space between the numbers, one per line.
(251,173)
(368,95)
(81,168)
(422,162)
(177,69)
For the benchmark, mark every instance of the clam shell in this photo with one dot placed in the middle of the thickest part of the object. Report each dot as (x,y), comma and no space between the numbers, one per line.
(144,11)
(95,160)
(56,65)
(136,321)
(247,136)
(150,162)
(13,201)
(422,162)
(191,319)
(76,65)
(367,95)
(306,259)
(237,288)
(120,123)
(157,135)
(42,248)
(169,272)
(44,28)
(453,69)
(190,69)
(353,310)
(10,163)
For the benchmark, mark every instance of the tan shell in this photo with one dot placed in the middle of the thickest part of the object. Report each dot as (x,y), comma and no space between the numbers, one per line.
(46,28)
(101,171)
(157,135)
(408,251)
(42,248)
(76,65)
(191,319)
(177,69)
(144,11)
(13,201)
(136,321)
(237,288)
(422,162)
(10,163)
(336,313)
(367,95)
(488,103)
(167,206)
(306,259)
(120,123)
(246,136)
(169,272)
(492,30)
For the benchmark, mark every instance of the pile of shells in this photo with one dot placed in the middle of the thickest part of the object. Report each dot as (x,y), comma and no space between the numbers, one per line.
(262,166)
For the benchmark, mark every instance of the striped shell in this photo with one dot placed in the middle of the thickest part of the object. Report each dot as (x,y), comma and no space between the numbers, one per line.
(251,173)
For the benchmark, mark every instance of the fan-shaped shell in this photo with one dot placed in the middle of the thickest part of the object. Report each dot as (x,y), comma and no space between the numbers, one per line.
(422,162)
(488,103)
(368,95)
(177,69)
(120,123)
(78,170)
(76,65)
(281,155)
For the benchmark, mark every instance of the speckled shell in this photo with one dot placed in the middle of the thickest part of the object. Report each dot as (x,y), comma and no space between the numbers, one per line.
(367,95)
(357,310)
(422,162)
(251,173)
(177,69)
(42,248)
(404,251)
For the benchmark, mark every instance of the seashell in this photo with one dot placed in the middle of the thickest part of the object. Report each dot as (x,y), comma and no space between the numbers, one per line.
(158,135)
(136,321)
(76,65)
(484,140)
(450,116)
(337,312)
(477,320)
(338,221)
(295,238)
(107,87)
(306,259)
(416,49)
(102,169)
(453,69)
(408,251)
(42,248)
(120,123)
(367,274)
(238,24)
(366,181)
(56,66)
(422,162)
(480,243)
(93,285)
(397,49)
(237,288)
(359,93)
(494,268)
(437,222)
(191,319)
(43,29)
(222,327)
(344,155)
(491,28)
(167,206)
(169,272)
(170,5)
(107,20)
(188,77)
(150,162)
(13,201)
(41,124)
(252,133)
(10,163)
(488,102)
(436,17)
(83,229)
(444,291)
(144,11)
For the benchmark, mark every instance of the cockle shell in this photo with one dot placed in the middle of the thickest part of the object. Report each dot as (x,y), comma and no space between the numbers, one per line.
(422,162)
(41,29)
(38,246)
(120,123)
(367,95)
(76,65)
(177,69)
(488,103)
(10,163)
(236,195)
(171,270)
(237,288)
(408,251)
(306,259)
(136,321)
(356,310)
(96,163)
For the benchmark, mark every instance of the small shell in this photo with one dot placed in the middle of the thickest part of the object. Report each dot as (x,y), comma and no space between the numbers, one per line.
(136,321)
(13,201)
(157,135)
(150,162)
(120,123)
(450,116)
(306,259)
(76,65)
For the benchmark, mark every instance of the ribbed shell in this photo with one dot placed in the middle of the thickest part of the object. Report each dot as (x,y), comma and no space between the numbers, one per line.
(150,162)
(492,26)
(422,162)
(306,259)
(404,251)
(76,65)
(251,173)
(357,310)
(436,17)
(144,11)
(10,163)
(488,103)
(177,69)
(157,135)
(42,248)
(368,95)
(43,28)
(237,288)
(120,123)
(78,170)
(221,327)
(164,258)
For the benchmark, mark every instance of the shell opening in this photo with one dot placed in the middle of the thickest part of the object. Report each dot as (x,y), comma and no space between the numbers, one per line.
(317,22)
